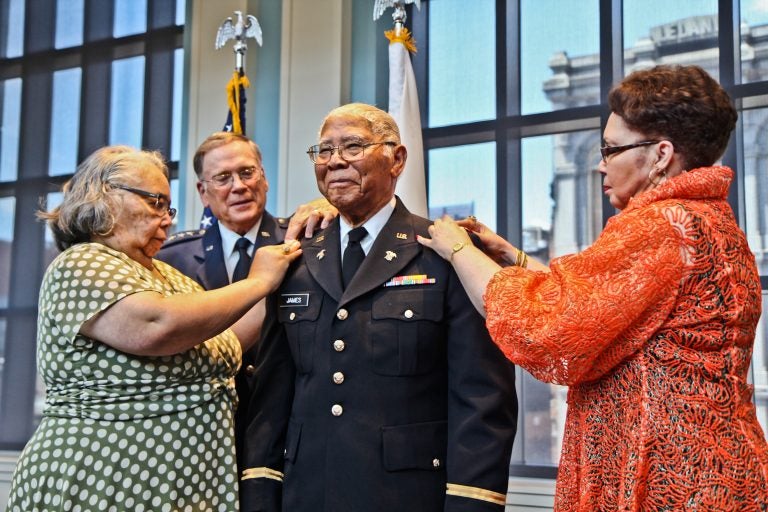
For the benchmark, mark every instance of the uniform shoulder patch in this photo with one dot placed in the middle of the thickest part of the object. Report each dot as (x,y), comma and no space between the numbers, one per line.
(184,236)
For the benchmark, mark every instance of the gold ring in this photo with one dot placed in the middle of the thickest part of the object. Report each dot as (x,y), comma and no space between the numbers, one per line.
(472,218)
(286,248)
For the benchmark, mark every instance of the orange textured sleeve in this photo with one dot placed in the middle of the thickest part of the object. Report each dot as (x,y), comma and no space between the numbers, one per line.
(594,308)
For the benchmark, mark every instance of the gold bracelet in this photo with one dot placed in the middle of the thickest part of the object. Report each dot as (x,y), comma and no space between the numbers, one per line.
(456,248)
(521,259)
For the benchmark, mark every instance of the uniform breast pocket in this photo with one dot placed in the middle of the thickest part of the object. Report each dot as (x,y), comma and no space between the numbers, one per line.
(298,313)
(407,332)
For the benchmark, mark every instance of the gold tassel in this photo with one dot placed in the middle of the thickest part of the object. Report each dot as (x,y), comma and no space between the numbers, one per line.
(233,99)
(405,37)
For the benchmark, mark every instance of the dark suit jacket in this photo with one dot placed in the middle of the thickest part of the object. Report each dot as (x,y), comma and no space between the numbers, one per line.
(399,389)
(198,254)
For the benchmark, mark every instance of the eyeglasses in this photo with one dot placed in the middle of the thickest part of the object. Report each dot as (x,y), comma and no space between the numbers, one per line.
(607,151)
(161,204)
(351,151)
(225,179)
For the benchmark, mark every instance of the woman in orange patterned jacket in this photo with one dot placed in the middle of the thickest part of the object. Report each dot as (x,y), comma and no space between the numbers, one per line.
(652,327)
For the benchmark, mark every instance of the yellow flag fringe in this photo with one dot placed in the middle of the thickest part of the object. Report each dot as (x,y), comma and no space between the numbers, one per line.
(233,98)
(404,37)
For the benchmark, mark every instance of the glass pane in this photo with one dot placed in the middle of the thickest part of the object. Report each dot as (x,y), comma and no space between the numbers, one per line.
(462,181)
(7,210)
(462,61)
(10,92)
(561,214)
(559,59)
(130,17)
(15,41)
(754,21)
(760,368)
(65,121)
(69,23)
(561,193)
(52,201)
(755,123)
(175,202)
(127,102)
(178,77)
(181,6)
(664,32)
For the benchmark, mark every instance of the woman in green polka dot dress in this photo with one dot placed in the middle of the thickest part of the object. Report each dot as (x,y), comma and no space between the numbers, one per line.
(137,359)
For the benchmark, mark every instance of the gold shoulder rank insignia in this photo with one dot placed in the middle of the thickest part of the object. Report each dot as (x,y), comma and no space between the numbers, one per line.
(320,238)
(402,236)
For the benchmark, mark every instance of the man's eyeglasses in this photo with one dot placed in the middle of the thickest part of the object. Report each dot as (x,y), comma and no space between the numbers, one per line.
(162,204)
(607,151)
(225,179)
(351,151)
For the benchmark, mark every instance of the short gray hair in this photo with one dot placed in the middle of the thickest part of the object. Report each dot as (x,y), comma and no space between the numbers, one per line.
(380,123)
(215,141)
(87,208)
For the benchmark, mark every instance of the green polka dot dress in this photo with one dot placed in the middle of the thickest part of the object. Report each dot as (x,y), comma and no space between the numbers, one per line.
(123,432)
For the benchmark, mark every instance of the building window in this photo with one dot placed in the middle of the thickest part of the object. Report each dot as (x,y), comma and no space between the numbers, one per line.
(527,80)
(74,76)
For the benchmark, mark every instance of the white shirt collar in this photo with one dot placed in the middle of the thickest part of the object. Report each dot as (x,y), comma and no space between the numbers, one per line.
(374,225)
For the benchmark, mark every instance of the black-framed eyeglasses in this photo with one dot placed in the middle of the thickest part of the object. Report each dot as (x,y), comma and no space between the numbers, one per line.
(225,179)
(607,151)
(162,204)
(351,151)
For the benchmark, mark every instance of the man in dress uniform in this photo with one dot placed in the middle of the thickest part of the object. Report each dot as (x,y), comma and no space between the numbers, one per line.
(402,402)
(231,182)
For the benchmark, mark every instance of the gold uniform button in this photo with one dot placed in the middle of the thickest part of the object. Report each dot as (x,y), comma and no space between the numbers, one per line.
(337,410)
(292,316)
(342,314)
(250,370)
(408,313)
(339,345)
(436,463)
(338,378)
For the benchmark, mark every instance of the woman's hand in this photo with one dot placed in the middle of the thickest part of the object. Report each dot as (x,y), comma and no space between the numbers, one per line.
(447,237)
(271,262)
(496,247)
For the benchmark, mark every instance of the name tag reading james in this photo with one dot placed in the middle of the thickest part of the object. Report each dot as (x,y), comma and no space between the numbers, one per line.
(294,300)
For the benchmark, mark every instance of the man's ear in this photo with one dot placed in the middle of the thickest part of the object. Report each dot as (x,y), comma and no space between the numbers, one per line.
(400,155)
(201,193)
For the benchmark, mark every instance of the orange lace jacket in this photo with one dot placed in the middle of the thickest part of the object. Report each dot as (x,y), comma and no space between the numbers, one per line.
(652,328)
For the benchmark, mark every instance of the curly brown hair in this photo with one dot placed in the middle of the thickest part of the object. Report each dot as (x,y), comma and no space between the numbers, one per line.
(682,104)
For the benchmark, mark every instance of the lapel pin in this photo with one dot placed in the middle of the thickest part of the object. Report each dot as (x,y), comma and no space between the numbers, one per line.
(320,238)
(321,254)
(265,234)
(402,236)
(389,256)
(209,248)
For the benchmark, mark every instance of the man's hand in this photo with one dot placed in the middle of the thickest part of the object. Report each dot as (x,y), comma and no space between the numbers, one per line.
(316,214)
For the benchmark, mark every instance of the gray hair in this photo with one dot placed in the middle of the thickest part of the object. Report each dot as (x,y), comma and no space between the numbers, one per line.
(88,209)
(216,140)
(380,123)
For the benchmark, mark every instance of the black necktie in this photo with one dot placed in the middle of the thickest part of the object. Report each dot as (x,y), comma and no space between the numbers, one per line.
(244,263)
(353,255)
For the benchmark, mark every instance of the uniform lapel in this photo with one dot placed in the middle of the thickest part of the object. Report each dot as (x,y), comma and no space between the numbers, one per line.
(213,273)
(323,259)
(268,231)
(393,249)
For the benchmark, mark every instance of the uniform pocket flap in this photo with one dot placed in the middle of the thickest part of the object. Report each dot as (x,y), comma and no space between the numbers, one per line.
(415,446)
(408,305)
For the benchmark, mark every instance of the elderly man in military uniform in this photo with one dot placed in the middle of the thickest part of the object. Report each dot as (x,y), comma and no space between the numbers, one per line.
(231,182)
(402,402)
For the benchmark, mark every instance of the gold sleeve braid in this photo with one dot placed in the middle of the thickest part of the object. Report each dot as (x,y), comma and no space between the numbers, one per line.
(476,493)
(272,474)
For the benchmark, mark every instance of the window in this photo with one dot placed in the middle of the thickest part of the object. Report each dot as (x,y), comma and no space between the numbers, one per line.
(90,74)
(513,99)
